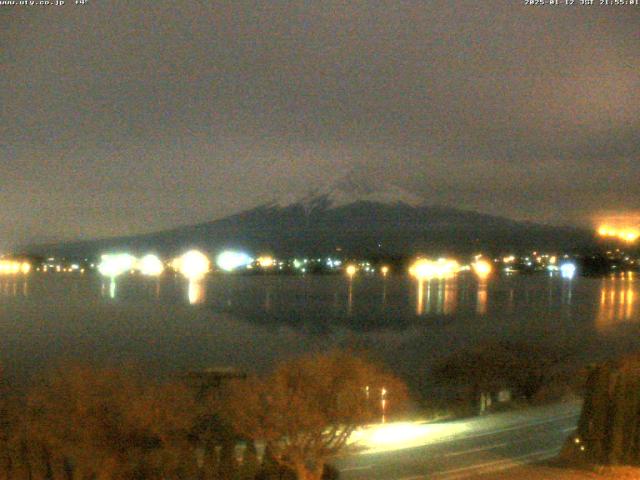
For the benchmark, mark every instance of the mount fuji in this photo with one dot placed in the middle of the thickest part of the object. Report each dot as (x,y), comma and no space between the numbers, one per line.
(349,190)
(353,216)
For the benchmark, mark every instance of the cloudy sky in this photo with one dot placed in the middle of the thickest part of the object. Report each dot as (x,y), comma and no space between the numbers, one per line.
(121,117)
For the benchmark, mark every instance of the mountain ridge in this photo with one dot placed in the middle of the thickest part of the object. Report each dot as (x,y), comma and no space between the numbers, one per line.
(356,215)
(358,228)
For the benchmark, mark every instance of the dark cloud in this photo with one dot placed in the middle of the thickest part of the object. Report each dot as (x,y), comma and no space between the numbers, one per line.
(120,117)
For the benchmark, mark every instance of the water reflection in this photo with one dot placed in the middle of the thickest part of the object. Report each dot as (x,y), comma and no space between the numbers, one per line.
(384,290)
(482,297)
(15,288)
(267,300)
(420,301)
(109,289)
(196,292)
(618,301)
(511,303)
(450,296)
(567,291)
(437,296)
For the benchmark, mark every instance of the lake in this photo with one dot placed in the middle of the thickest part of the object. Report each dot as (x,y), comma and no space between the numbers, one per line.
(168,325)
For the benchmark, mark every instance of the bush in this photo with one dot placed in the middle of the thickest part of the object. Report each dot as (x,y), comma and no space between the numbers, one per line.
(522,368)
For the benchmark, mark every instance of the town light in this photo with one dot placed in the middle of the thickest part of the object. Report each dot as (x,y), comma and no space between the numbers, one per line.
(151,266)
(351,270)
(193,264)
(626,234)
(424,269)
(482,268)
(266,261)
(112,265)
(568,270)
(14,266)
(229,260)
(384,270)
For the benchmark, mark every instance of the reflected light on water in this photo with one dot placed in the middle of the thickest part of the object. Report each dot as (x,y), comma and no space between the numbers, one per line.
(109,289)
(12,287)
(618,301)
(267,300)
(420,301)
(450,296)
(482,297)
(437,296)
(196,292)
(350,296)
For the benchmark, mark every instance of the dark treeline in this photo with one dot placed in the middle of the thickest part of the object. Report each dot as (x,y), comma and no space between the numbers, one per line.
(83,423)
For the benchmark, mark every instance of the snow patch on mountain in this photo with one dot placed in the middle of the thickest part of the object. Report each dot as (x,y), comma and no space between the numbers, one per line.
(351,189)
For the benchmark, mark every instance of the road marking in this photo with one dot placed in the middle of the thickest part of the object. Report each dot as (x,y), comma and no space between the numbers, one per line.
(452,454)
(503,464)
(517,427)
(353,469)
(461,436)
(496,465)
(477,449)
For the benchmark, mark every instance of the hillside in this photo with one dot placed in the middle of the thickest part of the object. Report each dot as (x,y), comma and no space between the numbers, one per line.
(350,216)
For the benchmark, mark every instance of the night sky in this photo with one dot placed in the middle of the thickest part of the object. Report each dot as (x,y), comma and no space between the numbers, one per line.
(121,117)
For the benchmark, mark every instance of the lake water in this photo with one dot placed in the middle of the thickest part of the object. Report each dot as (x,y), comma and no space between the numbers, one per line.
(249,322)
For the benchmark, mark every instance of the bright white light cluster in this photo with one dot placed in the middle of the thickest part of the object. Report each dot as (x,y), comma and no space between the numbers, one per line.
(230,260)
(424,269)
(266,261)
(193,264)
(150,266)
(115,264)
(568,270)
(482,268)
(13,267)
(331,263)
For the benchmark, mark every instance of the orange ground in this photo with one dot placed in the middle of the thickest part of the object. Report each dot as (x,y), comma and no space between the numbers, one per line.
(559,473)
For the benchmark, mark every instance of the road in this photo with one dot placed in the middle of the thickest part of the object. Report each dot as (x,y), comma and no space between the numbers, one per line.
(460,449)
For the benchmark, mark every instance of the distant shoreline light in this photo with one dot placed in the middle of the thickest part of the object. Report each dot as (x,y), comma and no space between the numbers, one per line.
(629,235)
(14,266)
(113,265)
(193,265)
(424,269)
(230,260)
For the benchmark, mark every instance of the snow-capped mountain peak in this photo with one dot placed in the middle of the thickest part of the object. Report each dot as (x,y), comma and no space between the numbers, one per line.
(352,189)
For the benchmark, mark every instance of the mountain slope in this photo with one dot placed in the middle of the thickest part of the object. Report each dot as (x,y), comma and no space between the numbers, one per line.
(356,215)
(322,225)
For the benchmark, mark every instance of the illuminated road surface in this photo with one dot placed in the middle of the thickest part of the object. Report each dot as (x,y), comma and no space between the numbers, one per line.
(460,449)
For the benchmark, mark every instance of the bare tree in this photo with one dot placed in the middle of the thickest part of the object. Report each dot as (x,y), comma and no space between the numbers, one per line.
(308,407)
(107,424)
